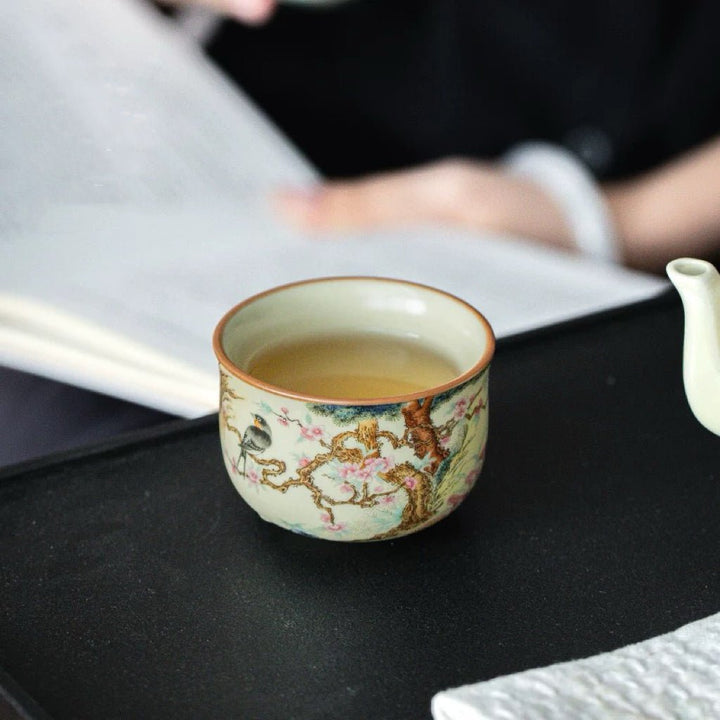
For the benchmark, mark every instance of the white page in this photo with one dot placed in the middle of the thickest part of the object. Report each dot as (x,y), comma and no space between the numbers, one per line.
(134,194)
(197,263)
(103,101)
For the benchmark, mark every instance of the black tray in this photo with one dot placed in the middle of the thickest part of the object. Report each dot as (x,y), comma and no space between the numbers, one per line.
(135,583)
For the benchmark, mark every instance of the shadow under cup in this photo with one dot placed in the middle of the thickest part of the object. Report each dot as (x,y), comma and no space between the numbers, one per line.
(354,468)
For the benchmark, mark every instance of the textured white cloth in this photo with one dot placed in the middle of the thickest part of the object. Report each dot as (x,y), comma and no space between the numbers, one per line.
(674,676)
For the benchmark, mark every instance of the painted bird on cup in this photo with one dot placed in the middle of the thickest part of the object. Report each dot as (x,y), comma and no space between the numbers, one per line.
(256,438)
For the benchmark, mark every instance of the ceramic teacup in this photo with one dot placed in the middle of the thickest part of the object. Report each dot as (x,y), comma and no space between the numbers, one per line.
(363,467)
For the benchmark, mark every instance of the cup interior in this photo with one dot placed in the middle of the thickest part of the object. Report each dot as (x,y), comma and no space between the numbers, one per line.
(355,305)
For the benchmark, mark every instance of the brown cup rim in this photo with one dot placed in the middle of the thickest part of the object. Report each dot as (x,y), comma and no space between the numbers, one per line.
(230,367)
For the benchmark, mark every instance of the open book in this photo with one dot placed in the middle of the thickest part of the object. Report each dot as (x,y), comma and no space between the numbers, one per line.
(134,212)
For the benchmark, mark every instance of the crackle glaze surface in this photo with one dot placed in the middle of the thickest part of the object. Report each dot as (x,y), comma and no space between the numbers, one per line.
(347,472)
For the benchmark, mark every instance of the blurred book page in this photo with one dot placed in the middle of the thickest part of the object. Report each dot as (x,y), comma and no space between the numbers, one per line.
(165,276)
(135,183)
(104,101)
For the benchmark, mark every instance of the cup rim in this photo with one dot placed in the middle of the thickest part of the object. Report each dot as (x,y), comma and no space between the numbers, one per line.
(471,372)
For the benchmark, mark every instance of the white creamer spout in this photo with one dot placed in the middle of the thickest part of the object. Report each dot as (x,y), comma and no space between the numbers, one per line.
(698,283)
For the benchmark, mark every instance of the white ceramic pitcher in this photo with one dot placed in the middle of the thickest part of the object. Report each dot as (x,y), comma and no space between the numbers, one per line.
(698,283)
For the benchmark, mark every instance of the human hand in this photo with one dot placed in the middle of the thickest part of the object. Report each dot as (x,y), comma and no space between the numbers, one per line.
(470,195)
(251,12)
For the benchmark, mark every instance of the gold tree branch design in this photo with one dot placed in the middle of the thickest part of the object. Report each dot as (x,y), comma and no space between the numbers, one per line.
(226,394)
(366,434)
(420,434)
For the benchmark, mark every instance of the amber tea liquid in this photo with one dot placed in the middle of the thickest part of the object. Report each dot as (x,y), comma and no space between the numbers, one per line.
(352,366)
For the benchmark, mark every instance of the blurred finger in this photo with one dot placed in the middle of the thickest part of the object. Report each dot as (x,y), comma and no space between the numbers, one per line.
(252,12)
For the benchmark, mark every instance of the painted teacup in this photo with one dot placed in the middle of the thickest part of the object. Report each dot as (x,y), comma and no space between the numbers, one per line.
(353,468)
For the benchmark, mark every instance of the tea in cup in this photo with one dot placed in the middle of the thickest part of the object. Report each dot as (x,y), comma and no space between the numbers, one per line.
(353,408)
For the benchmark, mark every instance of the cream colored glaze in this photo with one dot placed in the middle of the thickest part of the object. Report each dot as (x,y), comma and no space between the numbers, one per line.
(698,283)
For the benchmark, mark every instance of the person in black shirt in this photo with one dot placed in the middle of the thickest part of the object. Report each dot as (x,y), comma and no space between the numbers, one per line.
(626,91)
(424,109)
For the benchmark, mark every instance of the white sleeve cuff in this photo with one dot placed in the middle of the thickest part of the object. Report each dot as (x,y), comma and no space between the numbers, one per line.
(572,187)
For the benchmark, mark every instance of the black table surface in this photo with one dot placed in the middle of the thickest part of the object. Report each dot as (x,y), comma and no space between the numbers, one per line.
(135,583)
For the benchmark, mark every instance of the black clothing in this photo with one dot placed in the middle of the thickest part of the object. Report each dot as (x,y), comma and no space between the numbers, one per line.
(39,416)
(377,84)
